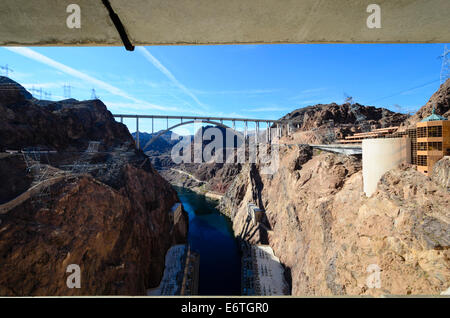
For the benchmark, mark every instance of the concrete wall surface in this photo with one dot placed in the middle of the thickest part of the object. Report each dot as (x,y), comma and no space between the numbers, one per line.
(381,155)
(153,22)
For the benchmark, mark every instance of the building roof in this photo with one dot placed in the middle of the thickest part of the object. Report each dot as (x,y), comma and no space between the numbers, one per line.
(433,117)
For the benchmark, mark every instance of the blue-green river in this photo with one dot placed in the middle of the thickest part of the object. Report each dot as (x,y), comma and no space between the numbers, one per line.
(211,235)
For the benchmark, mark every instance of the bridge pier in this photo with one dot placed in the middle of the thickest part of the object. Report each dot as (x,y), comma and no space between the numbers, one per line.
(137,132)
(270,134)
(245,131)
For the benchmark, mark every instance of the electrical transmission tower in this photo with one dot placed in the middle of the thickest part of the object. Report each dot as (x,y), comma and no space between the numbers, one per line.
(445,68)
(67,90)
(37,92)
(355,110)
(93,95)
(6,69)
(348,99)
(48,95)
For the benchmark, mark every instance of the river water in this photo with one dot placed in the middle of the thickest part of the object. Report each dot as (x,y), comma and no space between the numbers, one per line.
(211,235)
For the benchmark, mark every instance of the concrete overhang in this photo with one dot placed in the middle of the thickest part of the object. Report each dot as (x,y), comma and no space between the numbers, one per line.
(163,22)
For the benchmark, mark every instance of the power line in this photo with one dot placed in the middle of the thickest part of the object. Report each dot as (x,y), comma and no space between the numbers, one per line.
(445,67)
(404,91)
(67,90)
(93,95)
(6,69)
(36,91)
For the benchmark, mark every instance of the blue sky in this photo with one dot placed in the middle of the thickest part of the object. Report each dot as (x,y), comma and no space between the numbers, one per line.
(258,81)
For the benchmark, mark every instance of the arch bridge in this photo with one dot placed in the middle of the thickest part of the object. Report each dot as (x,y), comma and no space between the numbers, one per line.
(218,121)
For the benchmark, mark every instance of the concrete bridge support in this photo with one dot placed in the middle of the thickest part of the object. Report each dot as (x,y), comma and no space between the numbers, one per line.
(245,130)
(137,132)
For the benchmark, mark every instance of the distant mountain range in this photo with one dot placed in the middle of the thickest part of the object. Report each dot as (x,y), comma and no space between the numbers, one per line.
(161,145)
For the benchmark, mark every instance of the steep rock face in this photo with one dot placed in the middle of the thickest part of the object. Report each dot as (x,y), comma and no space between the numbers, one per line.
(441,172)
(440,100)
(107,211)
(328,234)
(13,173)
(117,237)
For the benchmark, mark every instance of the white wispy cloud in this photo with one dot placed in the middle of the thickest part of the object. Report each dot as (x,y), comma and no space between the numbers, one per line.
(168,74)
(236,92)
(44,85)
(29,53)
(267,109)
(136,106)
(308,93)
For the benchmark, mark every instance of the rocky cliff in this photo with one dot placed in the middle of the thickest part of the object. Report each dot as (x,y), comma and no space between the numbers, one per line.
(107,211)
(330,236)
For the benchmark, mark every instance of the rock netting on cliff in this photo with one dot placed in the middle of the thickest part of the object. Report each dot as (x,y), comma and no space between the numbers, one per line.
(114,220)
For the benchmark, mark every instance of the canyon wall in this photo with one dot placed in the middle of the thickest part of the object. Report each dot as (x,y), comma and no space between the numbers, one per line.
(330,237)
(109,211)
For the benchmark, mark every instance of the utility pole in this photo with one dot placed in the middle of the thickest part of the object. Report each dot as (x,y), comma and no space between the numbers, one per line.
(93,95)
(6,69)
(348,99)
(445,67)
(67,90)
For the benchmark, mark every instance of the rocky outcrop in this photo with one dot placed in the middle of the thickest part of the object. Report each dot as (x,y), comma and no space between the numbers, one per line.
(323,123)
(13,172)
(109,212)
(441,172)
(66,125)
(330,236)
(117,237)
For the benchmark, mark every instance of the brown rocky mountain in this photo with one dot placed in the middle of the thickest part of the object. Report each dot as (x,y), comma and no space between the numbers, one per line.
(440,100)
(324,123)
(108,212)
(66,125)
(328,234)
(319,115)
